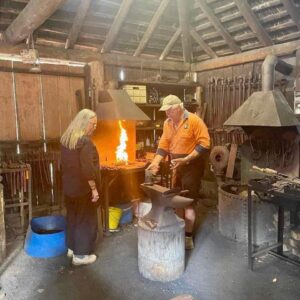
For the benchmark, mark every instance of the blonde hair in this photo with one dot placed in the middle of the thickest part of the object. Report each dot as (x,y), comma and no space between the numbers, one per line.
(77,128)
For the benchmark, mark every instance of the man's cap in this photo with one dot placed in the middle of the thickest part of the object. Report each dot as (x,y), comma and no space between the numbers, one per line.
(169,101)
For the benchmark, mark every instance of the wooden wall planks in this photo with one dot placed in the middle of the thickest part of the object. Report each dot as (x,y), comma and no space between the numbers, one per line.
(29,109)
(7,110)
(51,105)
(65,102)
(59,100)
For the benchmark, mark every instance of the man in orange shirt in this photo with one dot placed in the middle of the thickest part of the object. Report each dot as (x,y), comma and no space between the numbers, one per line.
(185,137)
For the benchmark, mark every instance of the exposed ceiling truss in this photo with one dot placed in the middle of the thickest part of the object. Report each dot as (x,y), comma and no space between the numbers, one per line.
(181,31)
(78,21)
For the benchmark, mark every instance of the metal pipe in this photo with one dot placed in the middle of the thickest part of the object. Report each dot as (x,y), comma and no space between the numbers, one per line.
(270,64)
(284,68)
(268,72)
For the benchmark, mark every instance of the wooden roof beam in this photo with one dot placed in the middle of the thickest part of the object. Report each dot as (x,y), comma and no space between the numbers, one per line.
(219,27)
(202,43)
(292,10)
(253,22)
(86,56)
(115,27)
(146,63)
(170,44)
(246,57)
(183,13)
(29,19)
(77,24)
(147,35)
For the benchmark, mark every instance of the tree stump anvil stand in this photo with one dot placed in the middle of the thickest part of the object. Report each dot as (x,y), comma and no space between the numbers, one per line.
(161,235)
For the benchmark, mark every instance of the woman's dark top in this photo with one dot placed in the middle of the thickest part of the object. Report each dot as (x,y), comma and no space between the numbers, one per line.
(78,167)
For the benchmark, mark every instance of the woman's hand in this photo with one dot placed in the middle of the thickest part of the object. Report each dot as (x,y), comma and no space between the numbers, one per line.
(95,195)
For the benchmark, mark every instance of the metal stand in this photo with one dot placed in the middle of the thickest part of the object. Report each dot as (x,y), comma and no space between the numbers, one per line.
(277,248)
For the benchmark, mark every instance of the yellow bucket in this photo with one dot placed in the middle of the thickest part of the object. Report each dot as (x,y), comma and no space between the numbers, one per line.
(115,214)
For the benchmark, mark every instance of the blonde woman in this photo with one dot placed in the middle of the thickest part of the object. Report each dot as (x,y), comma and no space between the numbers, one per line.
(81,186)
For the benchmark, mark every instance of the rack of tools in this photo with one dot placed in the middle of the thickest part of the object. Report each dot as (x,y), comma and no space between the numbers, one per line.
(224,96)
(46,175)
(17,190)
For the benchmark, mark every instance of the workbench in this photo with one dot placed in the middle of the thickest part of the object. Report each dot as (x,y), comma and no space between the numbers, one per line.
(109,174)
(286,197)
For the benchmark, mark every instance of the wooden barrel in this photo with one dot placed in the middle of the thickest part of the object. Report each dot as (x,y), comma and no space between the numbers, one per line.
(161,252)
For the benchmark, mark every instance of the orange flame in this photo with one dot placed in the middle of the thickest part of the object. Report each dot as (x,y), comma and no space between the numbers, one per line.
(121,154)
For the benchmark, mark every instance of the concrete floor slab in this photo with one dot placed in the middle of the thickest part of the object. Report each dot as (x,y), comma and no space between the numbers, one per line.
(216,269)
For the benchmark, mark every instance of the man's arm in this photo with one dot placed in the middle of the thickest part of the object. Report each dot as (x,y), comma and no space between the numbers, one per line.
(202,144)
(154,166)
(161,152)
(185,160)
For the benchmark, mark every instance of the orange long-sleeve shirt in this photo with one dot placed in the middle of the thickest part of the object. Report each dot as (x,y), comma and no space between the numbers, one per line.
(191,134)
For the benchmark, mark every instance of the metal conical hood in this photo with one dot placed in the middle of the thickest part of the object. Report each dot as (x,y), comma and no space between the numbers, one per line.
(117,105)
(265,108)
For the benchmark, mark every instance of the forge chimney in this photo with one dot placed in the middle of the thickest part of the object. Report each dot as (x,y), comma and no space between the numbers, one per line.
(268,107)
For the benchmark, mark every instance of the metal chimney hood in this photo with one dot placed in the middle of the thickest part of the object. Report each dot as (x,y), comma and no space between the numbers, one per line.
(268,107)
(265,108)
(116,105)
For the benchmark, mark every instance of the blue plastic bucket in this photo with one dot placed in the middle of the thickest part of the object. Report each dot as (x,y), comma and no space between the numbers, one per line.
(126,213)
(46,237)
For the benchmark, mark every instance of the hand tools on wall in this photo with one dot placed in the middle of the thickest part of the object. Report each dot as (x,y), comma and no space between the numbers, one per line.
(46,183)
(224,96)
(16,181)
(223,136)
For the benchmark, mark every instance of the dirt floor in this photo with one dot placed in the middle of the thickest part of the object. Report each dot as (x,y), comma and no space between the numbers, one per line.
(215,269)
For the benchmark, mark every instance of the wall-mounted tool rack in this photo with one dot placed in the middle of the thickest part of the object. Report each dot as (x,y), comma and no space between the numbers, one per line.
(17,182)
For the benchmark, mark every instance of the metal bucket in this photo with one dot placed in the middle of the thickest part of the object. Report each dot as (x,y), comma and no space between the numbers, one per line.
(233,215)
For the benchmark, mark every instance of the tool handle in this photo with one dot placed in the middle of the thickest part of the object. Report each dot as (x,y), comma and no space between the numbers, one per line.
(269,171)
(265,170)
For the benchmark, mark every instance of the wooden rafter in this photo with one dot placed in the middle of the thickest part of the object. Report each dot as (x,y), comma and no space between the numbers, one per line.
(218,26)
(292,11)
(183,13)
(137,62)
(170,44)
(253,22)
(246,57)
(147,35)
(77,24)
(29,19)
(86,56)
(202,43)
(114,30)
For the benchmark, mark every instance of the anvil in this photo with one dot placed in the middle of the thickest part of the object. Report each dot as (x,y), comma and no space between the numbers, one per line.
(164,200)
